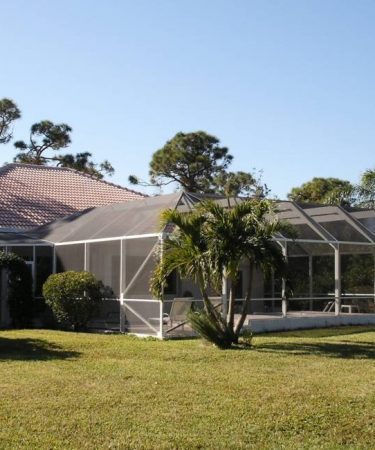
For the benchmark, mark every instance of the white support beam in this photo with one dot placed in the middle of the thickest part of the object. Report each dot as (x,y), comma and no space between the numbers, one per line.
(161,310)
(311,282)
(85,256)
(117,238)
(273,289)
(54,260)
(122,314)
(284,301)
(33,271)
(337,280)
(121,267)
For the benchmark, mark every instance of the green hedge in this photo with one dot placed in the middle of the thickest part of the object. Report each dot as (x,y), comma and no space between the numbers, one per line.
(20,296)
(74,297)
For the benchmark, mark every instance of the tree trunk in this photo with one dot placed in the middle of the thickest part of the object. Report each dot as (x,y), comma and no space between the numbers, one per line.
(232,299)
(245,304)
(207,304)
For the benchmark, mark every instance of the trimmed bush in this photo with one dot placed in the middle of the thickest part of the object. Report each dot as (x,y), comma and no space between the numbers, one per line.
(74,297)
(20,296)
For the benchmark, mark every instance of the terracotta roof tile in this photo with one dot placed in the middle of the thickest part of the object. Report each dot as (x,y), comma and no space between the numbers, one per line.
(33,195)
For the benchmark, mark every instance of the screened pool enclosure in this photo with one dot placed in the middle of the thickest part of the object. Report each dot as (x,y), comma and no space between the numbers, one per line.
(331,265)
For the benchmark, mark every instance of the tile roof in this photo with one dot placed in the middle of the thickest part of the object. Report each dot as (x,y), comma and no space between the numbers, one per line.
(32,195)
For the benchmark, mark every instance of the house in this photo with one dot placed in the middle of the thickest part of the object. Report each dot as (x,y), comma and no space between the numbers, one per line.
(33,195)
(118,244)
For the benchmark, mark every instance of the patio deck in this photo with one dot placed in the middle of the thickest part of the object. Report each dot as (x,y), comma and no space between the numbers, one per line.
(261,323)
(145,321)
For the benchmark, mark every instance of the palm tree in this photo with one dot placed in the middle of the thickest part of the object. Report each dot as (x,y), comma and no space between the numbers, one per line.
(243,234)
(187,253)
(213,241)
(367,189)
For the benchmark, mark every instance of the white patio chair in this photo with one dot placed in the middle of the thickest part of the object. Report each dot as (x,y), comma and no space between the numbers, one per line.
(179,310)
(217,303)
(178,313)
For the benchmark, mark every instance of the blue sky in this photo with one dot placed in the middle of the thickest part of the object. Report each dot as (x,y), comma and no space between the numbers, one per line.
(288,86)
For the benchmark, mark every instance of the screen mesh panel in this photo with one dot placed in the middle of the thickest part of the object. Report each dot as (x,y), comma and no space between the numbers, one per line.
(323,275)
(314,248)
(306,232)
(26,253)
(303,225)
(70,257)
(369,223)
(104,263)
(141,317)
(298,283)
(296,249)
(298,276)
(140,260)
(43,267)
(107,316)
(357,272)
(356,248)
(357,282)
(132,218)
(18,238)
(343,231)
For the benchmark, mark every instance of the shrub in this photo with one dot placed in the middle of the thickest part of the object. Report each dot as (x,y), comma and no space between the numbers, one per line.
(246,338)
(20,297)
(73,297)
(214,331)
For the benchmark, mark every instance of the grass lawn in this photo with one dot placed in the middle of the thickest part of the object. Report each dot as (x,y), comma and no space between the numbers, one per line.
(306,389)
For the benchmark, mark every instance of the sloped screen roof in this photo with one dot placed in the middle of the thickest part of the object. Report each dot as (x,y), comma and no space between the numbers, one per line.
(366,218)
(10,238)
(343,226)
(135,218)
(141,217)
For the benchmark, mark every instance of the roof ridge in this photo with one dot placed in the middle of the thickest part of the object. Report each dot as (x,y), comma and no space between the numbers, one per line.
(8,166)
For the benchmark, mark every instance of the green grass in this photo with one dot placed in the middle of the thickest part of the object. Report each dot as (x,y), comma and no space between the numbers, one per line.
(306,389)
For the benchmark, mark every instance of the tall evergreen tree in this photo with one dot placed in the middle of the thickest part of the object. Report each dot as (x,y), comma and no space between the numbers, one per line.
(46,136)
(9,112)
(197,162)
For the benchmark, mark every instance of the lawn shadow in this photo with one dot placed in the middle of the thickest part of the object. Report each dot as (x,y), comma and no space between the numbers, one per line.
(346,349)
(321,332)
(27,349)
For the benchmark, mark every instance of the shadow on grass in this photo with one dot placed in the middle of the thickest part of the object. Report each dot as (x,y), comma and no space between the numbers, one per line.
(32,350)
(349,350)
(322,332)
